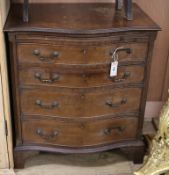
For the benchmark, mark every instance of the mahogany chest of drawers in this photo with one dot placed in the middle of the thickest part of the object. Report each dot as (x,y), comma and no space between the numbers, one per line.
(63,97)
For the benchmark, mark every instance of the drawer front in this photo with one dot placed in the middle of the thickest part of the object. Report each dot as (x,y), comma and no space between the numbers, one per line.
(79,134)
(79,54)
(80,103)
(126,52)
(79,77)
(45,53)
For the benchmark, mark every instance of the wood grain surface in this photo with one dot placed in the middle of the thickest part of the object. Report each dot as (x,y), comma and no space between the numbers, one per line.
(158,11)
(76,103)
(78,36)
(67,76)
(81,52)
(79,134)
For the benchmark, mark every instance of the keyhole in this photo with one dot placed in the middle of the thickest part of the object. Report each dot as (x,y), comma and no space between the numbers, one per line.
(82,96)
(84,75)
(84,51)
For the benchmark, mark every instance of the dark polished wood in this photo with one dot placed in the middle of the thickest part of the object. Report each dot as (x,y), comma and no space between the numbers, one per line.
(135,153)
(63,97)
(76,103)
(74,77)
(26,11)
(79,133)
(80,52)
(118,6)
(91,149)
(84,18)
(21,156)
(127,5)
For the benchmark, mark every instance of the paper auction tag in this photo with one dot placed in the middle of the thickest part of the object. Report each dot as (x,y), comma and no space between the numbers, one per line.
(113,69)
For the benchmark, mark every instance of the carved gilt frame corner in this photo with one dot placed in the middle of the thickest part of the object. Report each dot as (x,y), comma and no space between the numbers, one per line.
(158,161)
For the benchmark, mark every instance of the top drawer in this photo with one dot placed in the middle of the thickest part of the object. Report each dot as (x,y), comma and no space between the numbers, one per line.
(84,53)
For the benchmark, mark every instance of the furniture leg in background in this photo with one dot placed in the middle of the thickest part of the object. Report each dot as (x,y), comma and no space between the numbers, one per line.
(26,11)
(119,4)
(127,5)
(128,9)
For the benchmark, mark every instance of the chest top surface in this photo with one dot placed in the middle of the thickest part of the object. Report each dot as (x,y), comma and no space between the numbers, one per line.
(77,18)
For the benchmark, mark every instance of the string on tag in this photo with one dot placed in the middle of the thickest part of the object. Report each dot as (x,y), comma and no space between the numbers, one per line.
(115,55)
(114,63)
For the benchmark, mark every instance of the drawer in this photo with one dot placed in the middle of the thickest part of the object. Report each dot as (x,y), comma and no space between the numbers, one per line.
(79,102)
(79,54)
(88,76)
(45,53)
(79,134)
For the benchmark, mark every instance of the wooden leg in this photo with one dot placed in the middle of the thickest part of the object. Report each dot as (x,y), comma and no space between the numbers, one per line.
(128,9)
(118,4)
(26,11)
(135,153)
(20,158)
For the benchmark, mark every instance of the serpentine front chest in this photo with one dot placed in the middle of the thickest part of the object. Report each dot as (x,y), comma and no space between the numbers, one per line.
(63,97)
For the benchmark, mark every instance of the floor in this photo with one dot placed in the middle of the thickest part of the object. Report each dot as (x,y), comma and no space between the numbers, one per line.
(105,163)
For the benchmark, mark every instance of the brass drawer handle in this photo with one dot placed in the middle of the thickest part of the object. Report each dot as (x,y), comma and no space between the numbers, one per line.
(45,135)
(53,105)
(52,57)
(115,105)
(53,78)
(125,76)
(121,49)
(108,131)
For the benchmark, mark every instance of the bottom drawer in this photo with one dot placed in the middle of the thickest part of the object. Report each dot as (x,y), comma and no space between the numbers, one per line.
(79,133)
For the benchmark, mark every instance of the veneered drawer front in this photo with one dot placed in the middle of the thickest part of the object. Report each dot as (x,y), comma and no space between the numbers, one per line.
(88,76)
(126,52)
(79,54)
(80,102)
(80,133)
(50,54)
